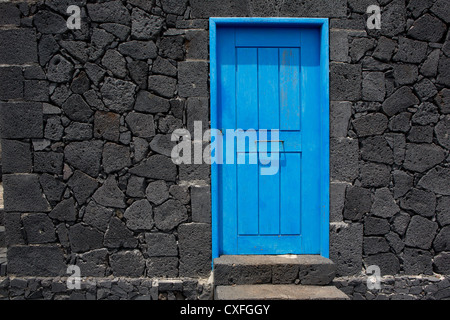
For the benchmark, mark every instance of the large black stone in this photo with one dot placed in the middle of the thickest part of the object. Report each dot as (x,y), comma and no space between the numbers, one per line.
(384,205)
(375,226)
(376,149)
(115,62)
(345,82)
(201,204)
(195,249)
(21,120)
(106,125)
(19,46)
(53,187)
(169,215)
(427,28)
(172,47)
(426,114)
(421,157)
(411,51)
(162,85)
(22,193)
(11,83)
(437,180)
(112,11)
(156,167)
(127,263)
(138,73)
(149,103)
(161,245)
(139,216)
(84,238)
(443,71)
(109,194)
(119,236)
(162,267)
(193,79)
(82,185)
(441,263)
(420,201)
(174,6)
(77,109)
(64,211)
(344,159)
(157,192)
(16,157)
(347,258)
(142,125)
(399,101)
(77,131)
(115,157)
(394,18)
(42,261)
(85,156)
(118,94)
(48,162)
(145,26)
(93,263)
(97,216)
(60,70)
(140,50)
(39,228)
(387,262)
(443,211)
(442,241)
(374,245)
(375,175)
(357,202)
(420,233)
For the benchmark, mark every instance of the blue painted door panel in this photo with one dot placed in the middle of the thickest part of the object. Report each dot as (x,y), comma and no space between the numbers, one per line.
(269,79)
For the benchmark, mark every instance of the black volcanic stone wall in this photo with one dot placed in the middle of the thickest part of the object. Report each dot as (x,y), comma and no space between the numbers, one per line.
(86,119)
(390,128)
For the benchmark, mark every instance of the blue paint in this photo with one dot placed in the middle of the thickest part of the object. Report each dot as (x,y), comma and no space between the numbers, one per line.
(325,139)
(271,73)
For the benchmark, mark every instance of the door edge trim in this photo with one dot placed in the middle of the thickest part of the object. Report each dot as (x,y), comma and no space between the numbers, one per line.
(323,24)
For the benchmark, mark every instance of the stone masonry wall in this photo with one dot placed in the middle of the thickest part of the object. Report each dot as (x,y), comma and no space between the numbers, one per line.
(390,139)
(87,115)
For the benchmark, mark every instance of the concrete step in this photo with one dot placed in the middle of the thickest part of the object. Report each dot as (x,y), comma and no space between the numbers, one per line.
(278,292)
(273,269)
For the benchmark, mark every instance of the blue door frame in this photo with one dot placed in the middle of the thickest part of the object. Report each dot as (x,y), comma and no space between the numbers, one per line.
(322,26)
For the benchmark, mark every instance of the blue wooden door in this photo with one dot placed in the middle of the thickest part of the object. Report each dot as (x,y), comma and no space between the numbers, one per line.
(269,78)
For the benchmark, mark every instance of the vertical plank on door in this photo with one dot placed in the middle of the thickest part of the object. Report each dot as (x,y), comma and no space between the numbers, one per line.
(269,202)
(247,198)
(247,88)
(268,85)
(269,118)
(290,88)
(290,213)
(247,118)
